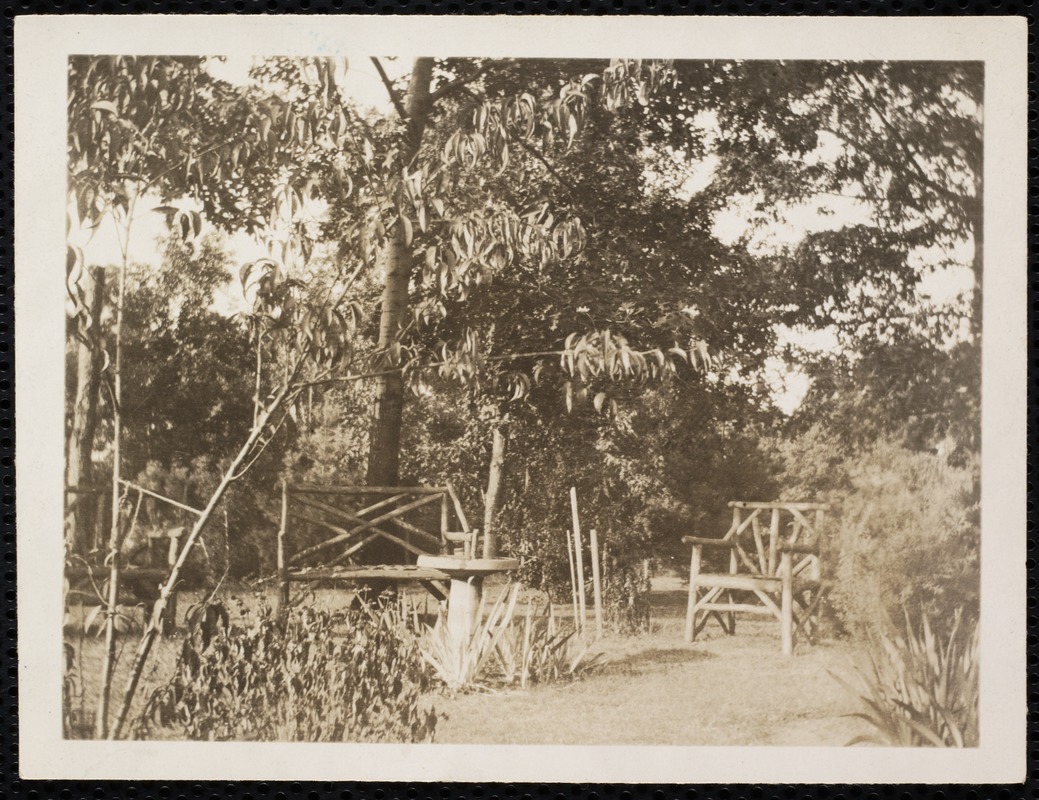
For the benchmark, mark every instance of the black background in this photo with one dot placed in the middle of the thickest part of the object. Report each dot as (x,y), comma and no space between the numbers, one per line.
(11,786)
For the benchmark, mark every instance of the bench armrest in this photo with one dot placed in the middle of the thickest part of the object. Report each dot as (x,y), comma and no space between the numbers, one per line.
(728,544)
(800,549)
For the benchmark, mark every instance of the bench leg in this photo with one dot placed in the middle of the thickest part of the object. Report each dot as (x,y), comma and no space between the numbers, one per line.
(786,620)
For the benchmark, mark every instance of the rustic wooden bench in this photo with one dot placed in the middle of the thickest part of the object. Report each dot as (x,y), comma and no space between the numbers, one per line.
(356,516)
(774,570)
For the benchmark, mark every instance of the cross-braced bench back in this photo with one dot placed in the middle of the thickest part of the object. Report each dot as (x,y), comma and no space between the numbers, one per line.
(761,531)
(353,517)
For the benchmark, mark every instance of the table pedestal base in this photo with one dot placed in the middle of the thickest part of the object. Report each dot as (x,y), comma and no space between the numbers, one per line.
(463,604)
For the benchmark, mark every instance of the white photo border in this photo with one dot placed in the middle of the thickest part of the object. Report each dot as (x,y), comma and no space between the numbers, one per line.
(42,47)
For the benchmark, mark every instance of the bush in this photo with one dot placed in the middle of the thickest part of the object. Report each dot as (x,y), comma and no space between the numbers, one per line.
(625,594)
(903,530)
(921,689)
(317,677)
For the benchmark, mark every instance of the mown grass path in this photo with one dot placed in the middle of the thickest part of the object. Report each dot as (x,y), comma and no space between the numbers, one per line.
(656,689)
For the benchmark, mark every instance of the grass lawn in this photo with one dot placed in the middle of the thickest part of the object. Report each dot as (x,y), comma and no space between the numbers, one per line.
(656,689)
(651,689)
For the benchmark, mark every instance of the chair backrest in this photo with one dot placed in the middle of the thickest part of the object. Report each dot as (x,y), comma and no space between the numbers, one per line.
(760,532)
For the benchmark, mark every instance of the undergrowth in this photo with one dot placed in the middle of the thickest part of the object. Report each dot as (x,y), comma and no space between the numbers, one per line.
(315,676)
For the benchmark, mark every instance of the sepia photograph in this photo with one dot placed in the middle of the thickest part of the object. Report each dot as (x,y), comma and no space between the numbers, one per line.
(542,400)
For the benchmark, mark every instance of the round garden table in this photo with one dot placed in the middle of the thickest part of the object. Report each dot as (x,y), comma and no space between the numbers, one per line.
(467,576)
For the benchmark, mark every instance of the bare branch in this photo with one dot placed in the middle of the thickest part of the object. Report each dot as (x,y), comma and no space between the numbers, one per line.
(389,89)
(457,84)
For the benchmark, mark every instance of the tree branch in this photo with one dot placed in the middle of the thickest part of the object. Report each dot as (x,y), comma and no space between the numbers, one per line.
(390,90)
(455,85)
(911,155)
(570,188)
(435,364)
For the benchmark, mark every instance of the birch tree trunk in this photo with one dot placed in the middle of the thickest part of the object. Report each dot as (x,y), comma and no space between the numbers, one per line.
(79,465)
(395,260)
(492,500)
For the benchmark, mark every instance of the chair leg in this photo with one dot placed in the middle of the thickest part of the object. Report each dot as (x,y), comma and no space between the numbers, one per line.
(787,606)
(807,620)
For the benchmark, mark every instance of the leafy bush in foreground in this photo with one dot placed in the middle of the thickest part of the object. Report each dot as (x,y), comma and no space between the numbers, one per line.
(921,689)
(308,679)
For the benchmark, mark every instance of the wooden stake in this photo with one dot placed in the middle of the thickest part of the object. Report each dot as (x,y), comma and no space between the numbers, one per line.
(596,585)
(283,569)
(690,613)
(579,552)
(573,576)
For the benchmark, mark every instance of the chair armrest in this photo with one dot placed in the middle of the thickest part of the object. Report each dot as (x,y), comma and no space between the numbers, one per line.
(728,544)
(799,549)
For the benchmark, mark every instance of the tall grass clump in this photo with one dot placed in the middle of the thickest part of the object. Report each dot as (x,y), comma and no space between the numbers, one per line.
(463,665)
(506,648)
(920,688)
(536,649)
(317,676)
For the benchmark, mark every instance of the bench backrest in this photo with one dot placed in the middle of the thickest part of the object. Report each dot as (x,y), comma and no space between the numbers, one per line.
(761,532)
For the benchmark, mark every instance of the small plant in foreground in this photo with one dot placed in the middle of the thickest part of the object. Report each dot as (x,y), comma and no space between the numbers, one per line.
(506,649)
(921,689)
(536,650)
(462,665)
(315,677)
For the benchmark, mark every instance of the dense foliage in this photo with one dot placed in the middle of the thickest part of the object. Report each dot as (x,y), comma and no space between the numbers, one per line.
(315,677)
(904,528)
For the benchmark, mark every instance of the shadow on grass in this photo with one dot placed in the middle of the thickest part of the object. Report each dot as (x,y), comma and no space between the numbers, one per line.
(669,603)
(655,659)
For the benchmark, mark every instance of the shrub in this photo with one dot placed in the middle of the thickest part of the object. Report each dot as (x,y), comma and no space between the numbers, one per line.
(618,495)
(625,594)
(921,689)
(315,677)
(903,530)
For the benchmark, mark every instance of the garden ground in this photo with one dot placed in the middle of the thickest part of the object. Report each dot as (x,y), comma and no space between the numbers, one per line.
(650,689)
(656,689)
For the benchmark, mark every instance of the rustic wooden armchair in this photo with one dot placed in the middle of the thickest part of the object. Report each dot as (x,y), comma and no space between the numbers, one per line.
(774,570)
